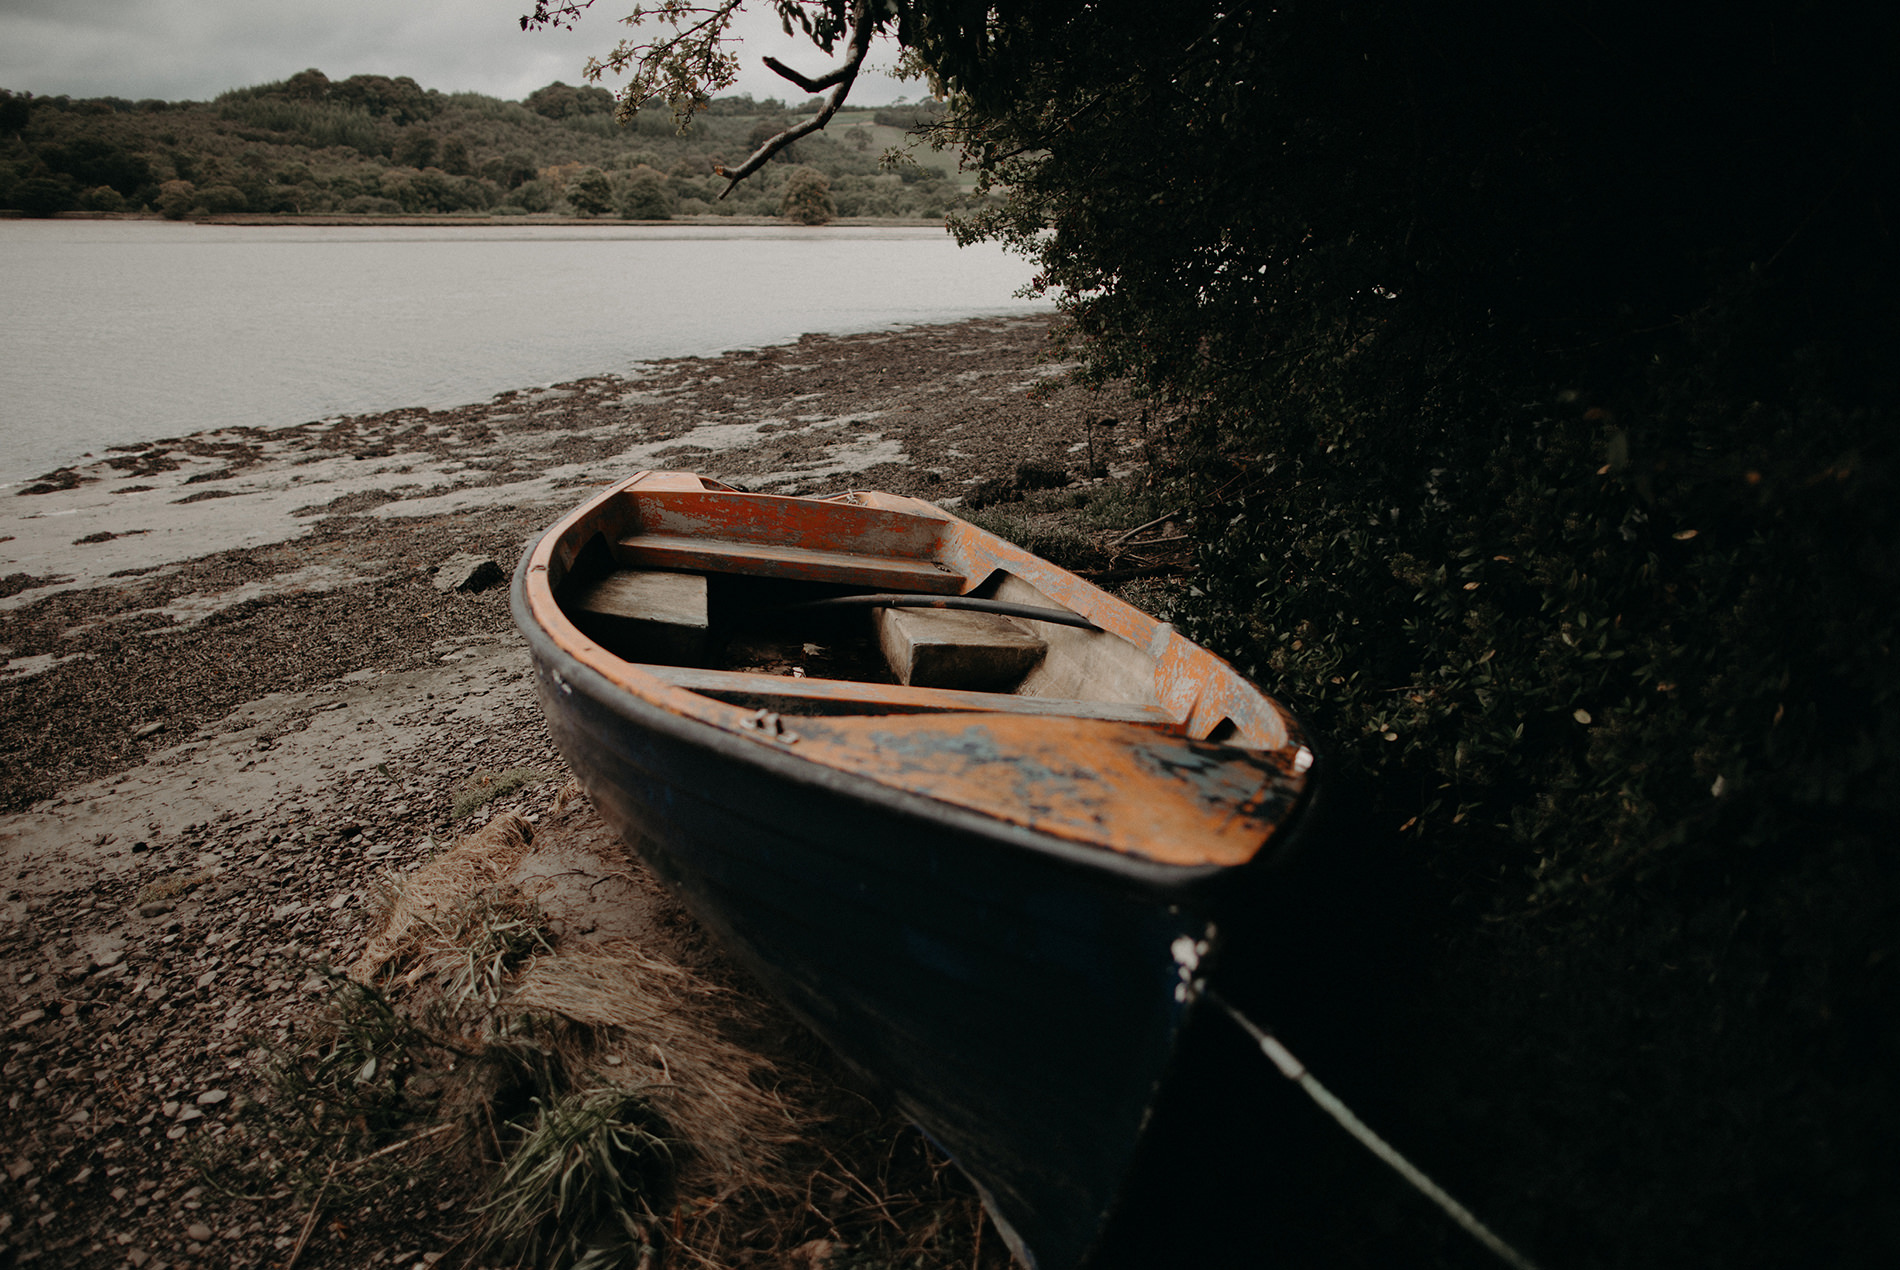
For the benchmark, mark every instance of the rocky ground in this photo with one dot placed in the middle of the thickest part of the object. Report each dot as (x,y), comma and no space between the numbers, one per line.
(245,675)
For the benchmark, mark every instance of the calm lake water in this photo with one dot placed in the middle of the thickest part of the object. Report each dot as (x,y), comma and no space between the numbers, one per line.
(120,331)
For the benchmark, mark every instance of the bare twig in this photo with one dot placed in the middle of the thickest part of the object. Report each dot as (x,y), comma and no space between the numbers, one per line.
(309,1222)
(394,1147)
(1121,538)
(876,1199)
(1101,576)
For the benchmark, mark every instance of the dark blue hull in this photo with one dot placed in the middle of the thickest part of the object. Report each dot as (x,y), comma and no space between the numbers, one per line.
(1022,1009)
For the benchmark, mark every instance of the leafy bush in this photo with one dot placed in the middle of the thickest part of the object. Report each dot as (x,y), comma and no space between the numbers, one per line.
(643,194)
(559,101)
(533,196)
(93,161)
(102,198)
(589,192)
(42,195)
(1568,637)
(807,198)
(176,198)
(223,198)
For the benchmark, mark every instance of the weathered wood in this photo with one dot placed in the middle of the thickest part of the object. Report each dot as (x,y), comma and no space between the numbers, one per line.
(945,648)
(1091,663)
(897,573)
(771,520)
(879,698)
(673,599)
(646,615)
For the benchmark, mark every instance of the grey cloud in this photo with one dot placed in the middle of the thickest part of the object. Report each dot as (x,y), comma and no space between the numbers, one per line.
(196,49)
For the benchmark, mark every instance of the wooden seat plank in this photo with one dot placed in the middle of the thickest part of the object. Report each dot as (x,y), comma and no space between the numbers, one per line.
(679,551)
(671,599)
(877,697)
(947,648)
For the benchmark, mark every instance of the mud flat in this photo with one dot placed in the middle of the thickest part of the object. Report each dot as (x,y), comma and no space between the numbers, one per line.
(236,690)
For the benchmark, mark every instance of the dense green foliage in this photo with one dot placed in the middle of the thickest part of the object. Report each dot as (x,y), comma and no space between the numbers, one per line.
(372,144)
(807,199)
(1539,379)
(1533,374)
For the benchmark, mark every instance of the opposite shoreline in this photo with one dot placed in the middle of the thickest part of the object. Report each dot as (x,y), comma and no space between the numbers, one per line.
(453,219)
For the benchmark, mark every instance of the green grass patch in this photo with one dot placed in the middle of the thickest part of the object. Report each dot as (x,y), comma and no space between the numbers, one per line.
(488,784)
(584,1184)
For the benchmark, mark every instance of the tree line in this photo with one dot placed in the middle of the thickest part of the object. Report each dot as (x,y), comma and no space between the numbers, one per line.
(380,145)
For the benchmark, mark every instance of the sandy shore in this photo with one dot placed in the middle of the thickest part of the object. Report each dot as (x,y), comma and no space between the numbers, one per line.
(233,693)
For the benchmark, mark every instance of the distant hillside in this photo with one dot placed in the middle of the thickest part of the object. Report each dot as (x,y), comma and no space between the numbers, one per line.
(375,145)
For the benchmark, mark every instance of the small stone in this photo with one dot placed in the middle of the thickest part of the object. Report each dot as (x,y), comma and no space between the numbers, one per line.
(169,1108)
(212,1097)
(155,908)
(468,573)
(29,1018)
(150,729)
(137,1256)
(199,1231)
(109,958)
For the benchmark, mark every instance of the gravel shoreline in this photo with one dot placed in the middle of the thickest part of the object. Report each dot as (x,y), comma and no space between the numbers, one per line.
(236,687)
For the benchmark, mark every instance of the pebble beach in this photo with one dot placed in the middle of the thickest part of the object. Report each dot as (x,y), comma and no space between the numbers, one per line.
(247,674)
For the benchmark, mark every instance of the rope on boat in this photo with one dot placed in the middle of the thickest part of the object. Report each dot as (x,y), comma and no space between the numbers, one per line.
(1294,1070)
(905,600)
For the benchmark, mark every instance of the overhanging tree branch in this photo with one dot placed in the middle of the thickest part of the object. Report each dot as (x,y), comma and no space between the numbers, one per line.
(863,26)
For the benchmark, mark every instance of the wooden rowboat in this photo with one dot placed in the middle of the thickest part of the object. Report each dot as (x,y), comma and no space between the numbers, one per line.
(975,821)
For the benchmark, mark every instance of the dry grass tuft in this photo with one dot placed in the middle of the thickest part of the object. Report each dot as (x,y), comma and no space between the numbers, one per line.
(562,1030)
(587,1100)
(653,1030)
(424,904)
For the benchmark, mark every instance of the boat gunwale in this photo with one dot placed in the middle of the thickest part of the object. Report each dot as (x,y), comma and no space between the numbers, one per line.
(646,701)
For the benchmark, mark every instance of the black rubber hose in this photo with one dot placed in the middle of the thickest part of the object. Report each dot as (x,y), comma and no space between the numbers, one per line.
(898,600)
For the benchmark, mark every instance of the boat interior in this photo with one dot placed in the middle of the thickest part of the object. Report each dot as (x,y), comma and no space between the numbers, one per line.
(832,607)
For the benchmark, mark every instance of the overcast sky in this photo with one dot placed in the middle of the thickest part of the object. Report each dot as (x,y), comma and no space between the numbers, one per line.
(196,49)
